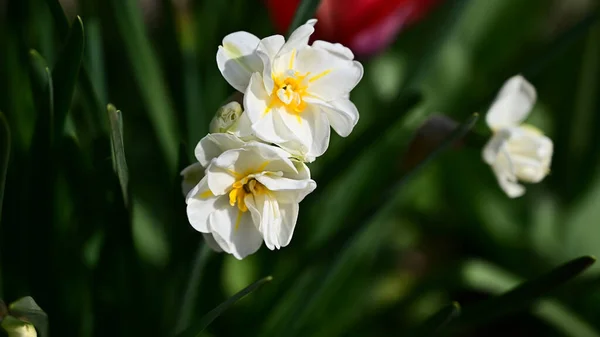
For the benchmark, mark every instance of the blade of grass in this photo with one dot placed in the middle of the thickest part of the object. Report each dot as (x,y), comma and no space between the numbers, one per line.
(149,77)
(4,158)
(438,320)
(43,97)
(64,74)
(191,291)
(216,312)
(60,19)
(450,140)
(306,10)
(361,232)
(95,97)
(115,118)
(484,276)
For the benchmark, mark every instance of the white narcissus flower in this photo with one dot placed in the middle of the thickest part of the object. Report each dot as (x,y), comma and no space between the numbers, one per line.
(293,92)
(516,151)
(250,194)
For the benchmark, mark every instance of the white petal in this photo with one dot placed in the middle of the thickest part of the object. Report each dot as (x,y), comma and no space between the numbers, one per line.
(330,77)
(237,59)
(212,145)
(321,132)
(494,145)
(242,128)
(221,178)
(266,216)
(256,99)
(261,116)
(336,49)
(235,232)
(191,177)
(267,50)
(513,103)
(277,183)
(299,38)
(211,242)
(263,157)
(200,204)
(506,176)
(342,115)
(310,128)
(289,217)
(530,152)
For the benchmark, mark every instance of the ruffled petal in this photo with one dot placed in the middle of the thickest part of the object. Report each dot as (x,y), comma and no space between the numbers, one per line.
(342,115)
(191,177)
(234,231)
(336,49)
(212,145)
(237,59)
(329,77)
(200,204)
(299,38)
(512,105)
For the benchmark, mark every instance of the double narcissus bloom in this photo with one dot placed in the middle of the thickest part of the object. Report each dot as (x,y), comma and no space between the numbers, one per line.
(365,26)
(293,92)
(250,193)
(251,173)
(516,151)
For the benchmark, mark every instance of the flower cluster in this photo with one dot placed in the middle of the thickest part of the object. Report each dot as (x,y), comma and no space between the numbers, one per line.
(516,151)
(251,173)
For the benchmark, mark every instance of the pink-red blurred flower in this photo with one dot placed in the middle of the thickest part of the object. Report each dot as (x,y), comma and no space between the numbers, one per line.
(365,26)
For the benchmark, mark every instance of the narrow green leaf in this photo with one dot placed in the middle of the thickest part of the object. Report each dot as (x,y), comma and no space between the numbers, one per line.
(521,296)
(26,308)
(60,19)
(306,11)
(149,77)
(4,156)
(191,291)
(563,319)
(362,229)
(388,194)
(216,312)
(94,94)
(43,96)
(65,74)
(115,119)
(438,320)
(459,133)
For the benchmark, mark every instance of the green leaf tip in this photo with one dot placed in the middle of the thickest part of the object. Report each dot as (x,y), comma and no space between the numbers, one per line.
(205,321)
(115,118)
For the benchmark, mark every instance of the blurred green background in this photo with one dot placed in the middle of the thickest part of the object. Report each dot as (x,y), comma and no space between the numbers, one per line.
(380,246)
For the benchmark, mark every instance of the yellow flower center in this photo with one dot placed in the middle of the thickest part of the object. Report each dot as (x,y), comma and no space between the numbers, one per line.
(289,90)
(243,187)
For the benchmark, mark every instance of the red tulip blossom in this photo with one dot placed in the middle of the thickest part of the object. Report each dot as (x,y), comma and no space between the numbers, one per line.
(365,26)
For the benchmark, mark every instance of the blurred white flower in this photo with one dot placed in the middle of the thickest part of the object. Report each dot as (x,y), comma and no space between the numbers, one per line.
(250,193)
(17,328)
(516,151)
(293,92)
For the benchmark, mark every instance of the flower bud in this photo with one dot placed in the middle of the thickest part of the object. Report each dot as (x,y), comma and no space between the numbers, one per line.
(226,117)
(17,328)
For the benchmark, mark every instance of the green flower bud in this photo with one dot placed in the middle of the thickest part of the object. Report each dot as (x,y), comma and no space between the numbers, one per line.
(17,328)
(226,117)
